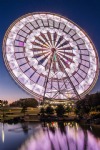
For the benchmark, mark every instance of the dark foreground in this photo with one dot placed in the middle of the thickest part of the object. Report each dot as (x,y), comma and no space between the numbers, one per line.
(49,136)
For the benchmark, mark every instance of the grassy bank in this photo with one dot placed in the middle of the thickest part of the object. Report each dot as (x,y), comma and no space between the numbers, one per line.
(12,112)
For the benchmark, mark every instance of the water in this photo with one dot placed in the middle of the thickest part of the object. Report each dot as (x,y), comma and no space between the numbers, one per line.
(49,136)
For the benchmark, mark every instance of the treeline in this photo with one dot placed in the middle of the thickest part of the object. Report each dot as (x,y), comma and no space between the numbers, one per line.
(88,104)
(27,102)
(3,103)
(94,99)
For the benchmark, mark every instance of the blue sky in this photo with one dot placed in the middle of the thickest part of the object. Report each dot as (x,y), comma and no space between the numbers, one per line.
(86,13)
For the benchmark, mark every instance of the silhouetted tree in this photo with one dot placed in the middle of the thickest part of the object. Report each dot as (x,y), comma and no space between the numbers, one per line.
(49,110)
(29,102)
(3,105)
(83,107)
(97,108)
(42,111)
(68,109)
(24,109)
(60,110)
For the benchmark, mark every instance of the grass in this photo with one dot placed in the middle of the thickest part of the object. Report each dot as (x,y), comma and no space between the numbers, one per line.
(11,112)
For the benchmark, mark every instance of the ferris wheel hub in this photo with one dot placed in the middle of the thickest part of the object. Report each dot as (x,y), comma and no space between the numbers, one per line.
(53,49)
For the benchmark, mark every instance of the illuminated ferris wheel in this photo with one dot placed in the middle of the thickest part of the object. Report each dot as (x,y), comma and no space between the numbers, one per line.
(49,56)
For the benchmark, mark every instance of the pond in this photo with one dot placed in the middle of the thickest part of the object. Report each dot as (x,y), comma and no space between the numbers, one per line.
(49,136)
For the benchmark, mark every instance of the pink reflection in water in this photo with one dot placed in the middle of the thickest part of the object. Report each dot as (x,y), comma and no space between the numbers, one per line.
(71,139)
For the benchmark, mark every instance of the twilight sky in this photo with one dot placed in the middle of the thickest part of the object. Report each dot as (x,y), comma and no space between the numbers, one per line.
(85,13)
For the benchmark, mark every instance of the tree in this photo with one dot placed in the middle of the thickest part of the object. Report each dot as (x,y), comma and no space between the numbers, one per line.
(79,112)
(49,110)
(42,111)
(3,105)
(60,110)
(98,108)
(68,109)
(29,102)
(83,107)
(24,109)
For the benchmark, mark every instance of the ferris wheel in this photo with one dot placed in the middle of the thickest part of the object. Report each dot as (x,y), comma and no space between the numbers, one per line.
(50,56)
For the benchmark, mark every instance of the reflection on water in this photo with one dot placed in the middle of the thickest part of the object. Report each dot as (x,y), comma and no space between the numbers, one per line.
(62,136)
(3,133)
(49,136)
(13,135)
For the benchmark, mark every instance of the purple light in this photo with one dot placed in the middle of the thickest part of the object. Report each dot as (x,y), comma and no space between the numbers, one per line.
(71,138)
(21,44)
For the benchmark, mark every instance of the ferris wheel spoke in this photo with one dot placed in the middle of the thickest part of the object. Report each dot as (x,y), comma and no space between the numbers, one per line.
(46,61)
(67,58)
(42,56)
(35,49)
(66,48)
(49,36)
(41,52)
(70,54)
(38,44)
(65,63)
(54,38)
(66,53)
(43,60)
(63,44)
(59,40)
(50,44)
(39,56)
(46,43)
(42,42)
(60,43)
(44,37)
